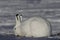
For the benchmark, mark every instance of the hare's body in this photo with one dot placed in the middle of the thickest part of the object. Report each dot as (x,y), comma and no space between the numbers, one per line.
(36,27)
(33,27)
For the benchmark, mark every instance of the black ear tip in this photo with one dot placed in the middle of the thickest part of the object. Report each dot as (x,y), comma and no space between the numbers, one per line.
(17,14)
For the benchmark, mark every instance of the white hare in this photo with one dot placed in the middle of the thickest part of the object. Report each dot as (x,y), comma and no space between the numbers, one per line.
(33,27)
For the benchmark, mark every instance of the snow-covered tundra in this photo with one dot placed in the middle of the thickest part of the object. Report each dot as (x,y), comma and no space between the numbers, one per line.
(33,27)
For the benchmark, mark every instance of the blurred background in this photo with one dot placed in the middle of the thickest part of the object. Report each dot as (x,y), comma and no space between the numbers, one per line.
(49,9)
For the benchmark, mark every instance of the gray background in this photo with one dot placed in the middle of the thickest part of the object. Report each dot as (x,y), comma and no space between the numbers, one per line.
(49,9)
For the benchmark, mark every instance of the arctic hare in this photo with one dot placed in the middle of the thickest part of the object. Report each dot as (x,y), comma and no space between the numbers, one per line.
(33,27)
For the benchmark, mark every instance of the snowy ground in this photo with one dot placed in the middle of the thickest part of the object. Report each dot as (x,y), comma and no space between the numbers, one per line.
(12,37)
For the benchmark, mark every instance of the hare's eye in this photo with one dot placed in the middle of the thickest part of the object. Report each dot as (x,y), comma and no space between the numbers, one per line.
(15,28)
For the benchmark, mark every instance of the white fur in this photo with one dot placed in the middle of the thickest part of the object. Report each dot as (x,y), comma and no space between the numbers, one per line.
(35,26)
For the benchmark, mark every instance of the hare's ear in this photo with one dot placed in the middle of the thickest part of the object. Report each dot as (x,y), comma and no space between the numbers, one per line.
(20,17)
(17,16)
